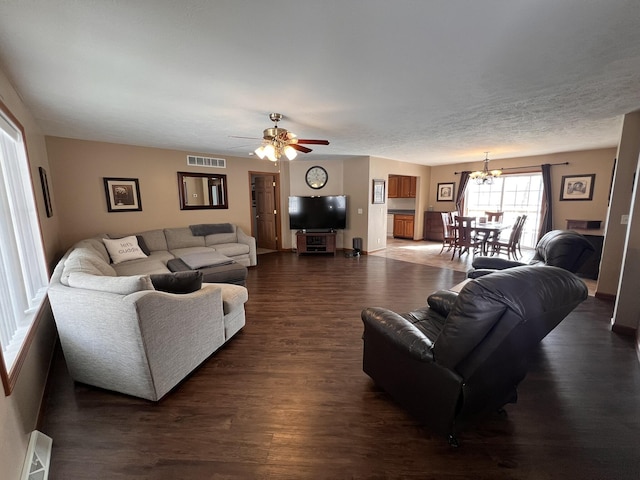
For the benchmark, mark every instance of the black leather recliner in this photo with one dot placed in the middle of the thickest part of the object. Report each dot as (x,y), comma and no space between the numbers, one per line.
(558,248)
(464,354)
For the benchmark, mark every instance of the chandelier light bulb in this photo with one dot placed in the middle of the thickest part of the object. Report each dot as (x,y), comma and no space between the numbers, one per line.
(484,176)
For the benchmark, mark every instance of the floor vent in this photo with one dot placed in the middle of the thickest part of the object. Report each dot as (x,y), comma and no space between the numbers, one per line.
(194,161)
(37,461)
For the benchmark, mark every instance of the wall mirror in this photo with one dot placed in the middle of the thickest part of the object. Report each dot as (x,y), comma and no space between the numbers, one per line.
(200,191)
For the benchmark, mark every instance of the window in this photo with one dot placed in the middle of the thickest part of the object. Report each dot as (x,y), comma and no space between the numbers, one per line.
(23,272)
(513,194)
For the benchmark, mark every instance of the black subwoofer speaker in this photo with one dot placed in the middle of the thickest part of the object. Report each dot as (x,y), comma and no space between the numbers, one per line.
(357,245)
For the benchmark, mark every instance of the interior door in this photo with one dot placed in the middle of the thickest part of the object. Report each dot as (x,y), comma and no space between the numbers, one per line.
(266,235)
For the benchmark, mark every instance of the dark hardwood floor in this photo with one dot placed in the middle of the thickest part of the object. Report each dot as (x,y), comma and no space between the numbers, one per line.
(287,398)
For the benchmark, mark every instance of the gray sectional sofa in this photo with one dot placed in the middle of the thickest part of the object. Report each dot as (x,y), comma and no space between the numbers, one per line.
(118,332)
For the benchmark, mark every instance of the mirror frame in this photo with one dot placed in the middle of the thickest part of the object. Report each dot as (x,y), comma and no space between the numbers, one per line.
(183,193)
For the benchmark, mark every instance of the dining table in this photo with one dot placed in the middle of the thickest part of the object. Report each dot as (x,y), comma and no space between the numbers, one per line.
(490,230)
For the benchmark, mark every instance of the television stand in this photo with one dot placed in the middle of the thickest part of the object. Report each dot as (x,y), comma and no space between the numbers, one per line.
(316,242)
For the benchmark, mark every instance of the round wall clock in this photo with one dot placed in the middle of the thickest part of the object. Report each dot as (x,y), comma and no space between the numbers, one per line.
(316,177)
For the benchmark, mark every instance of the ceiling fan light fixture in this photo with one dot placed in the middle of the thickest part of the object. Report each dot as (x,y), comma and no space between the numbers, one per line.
(277,142)
(259,152)
(290,152)
(270,152)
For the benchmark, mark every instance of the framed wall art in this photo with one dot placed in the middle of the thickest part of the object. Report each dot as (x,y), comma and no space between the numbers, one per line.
(378,191)
(123,194)
(445,192)
(577,187)
(45,191)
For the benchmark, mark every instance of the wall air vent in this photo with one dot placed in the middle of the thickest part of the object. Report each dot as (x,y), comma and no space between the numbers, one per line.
(38,458)
(194,161)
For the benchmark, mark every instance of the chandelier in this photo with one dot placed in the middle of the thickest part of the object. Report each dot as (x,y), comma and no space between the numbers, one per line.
(485,176)
(274,148)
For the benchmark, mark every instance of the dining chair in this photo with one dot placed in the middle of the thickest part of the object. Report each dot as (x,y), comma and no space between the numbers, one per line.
(510,246)
(465,236)
(488,238)
(522,222)
(494,216)
(448,231)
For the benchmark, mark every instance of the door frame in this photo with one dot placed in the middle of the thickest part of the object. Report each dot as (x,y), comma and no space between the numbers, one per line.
(252,213)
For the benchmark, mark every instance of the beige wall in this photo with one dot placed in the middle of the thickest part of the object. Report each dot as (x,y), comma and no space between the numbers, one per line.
(19,411)
(78,168)
(622,243)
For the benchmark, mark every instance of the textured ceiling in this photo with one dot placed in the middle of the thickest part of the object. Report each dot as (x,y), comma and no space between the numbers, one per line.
(430,82)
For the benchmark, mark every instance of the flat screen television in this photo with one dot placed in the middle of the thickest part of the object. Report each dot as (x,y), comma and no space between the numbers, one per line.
(318,213)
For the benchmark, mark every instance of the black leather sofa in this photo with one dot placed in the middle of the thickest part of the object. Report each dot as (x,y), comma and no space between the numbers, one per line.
(558,248)
(463,355)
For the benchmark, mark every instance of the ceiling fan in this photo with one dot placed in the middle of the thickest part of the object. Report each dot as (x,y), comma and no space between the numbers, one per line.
(278,141)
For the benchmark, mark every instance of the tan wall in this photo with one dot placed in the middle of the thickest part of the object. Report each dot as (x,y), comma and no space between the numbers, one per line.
(78,168)
(19,411)
(359,216)
(598,161)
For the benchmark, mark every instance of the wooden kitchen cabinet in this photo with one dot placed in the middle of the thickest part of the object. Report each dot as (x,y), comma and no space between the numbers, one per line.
(403,226)
(392,191)
(402,186)
(408,187)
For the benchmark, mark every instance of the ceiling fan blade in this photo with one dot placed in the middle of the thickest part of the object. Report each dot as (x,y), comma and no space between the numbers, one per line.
(313,142)
(248,138)
(300,148)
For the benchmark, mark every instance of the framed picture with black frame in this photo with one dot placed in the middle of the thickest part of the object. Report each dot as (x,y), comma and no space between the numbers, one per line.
(445,192)
(44,181)
(577,187)
(123,194)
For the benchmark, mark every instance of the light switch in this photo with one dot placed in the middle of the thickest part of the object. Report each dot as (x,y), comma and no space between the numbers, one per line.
(624,219)
(359,211)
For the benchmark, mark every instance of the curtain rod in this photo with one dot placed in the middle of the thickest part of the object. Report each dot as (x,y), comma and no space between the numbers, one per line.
(525,166)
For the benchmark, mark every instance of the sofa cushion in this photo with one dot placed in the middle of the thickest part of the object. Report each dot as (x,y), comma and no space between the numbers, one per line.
(232,249)
(96,244)
(182,238)
(473,314)
(117,285)
(205,259)
(215,239)
(178,282)
(155,240)
(85,260)
(179,252)
(205,229)
(123,249)
(155,263)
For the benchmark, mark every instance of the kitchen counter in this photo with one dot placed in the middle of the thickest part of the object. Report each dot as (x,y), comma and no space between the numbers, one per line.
(392,211)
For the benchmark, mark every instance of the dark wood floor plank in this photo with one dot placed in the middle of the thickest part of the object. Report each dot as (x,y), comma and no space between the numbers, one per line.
(287,398)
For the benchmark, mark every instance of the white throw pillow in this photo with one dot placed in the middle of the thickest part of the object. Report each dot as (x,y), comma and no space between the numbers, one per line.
(123,249)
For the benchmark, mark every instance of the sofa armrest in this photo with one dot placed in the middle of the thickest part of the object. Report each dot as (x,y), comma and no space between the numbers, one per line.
(251,242)
(494,263)
(398,331)
(179,331)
